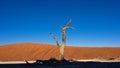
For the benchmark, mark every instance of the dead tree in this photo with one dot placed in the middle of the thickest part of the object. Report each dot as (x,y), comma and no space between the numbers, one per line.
(61,47)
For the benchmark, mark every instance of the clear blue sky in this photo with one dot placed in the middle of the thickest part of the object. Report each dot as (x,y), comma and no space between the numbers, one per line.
(96,22)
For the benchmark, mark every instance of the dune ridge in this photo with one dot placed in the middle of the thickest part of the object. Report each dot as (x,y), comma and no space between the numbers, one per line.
(30,51)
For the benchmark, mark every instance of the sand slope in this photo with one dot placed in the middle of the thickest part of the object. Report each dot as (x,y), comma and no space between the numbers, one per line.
(29,51)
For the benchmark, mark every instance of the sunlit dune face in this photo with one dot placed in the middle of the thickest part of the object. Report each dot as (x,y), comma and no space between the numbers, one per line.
(44,51)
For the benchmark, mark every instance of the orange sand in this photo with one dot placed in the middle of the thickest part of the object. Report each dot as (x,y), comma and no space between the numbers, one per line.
(29,51)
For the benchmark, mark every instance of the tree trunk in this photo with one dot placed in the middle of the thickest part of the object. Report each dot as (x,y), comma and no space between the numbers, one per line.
(63,44)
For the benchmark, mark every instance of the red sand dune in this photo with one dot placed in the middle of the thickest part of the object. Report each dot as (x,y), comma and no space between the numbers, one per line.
(29,51)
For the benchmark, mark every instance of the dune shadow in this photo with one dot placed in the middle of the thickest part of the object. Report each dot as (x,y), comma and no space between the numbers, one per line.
(63,64)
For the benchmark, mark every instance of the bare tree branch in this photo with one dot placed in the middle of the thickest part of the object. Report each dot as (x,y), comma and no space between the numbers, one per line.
(53,36)
(71,27)
(60,26)
(68,23)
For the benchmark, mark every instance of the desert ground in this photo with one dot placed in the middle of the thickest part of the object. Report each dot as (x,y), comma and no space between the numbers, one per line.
(84,57)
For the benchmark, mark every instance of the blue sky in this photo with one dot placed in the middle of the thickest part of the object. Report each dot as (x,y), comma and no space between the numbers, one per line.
(96,22)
